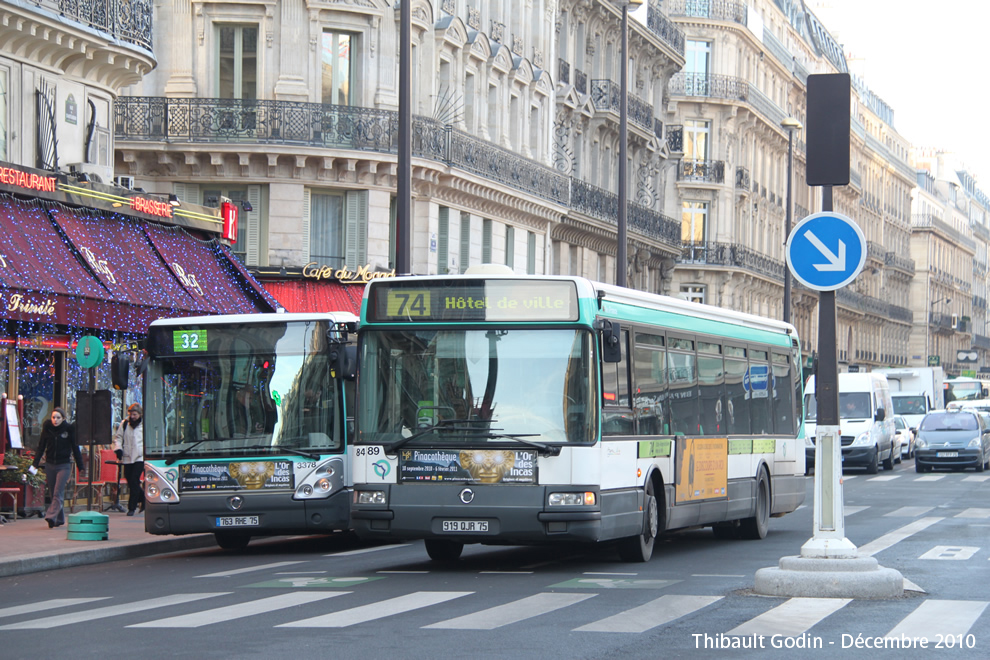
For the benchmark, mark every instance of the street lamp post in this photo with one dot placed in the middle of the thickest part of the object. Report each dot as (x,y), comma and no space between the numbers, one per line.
(621,267)
(790,124)
(928,325)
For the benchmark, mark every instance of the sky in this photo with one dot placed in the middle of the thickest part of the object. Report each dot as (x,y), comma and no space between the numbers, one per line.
(929,61)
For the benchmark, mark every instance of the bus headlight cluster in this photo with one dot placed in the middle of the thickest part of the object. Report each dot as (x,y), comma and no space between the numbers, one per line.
(323,481)
(158,487)
(572,499)
(370,497)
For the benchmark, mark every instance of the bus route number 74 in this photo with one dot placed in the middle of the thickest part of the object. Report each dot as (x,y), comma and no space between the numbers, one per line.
(407,303)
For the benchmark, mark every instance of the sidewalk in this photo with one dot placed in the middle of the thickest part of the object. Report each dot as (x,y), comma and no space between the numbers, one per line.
(29,546)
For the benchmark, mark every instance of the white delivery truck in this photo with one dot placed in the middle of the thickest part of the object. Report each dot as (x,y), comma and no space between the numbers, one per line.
(866,422)
(915,391)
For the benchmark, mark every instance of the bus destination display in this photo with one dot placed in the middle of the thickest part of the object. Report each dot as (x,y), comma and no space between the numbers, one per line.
(492,300)
(188,341)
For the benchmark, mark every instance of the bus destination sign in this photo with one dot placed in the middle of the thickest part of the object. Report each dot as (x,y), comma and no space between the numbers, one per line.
(473,300)
(188,341)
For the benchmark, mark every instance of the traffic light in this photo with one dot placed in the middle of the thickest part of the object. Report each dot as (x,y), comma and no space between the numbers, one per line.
(120,366)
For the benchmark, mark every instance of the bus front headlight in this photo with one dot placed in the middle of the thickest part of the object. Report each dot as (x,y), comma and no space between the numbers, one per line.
(370,497)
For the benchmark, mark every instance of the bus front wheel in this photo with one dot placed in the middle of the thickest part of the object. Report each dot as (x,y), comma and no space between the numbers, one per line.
(640,548)
(443,550)
(232,540)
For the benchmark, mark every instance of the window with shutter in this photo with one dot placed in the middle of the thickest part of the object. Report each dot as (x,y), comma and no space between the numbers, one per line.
(443,231)
(465,240)
(486,241)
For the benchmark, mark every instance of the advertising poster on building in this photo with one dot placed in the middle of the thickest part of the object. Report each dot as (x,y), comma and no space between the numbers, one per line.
(702,469)
(236,475)
(483,466)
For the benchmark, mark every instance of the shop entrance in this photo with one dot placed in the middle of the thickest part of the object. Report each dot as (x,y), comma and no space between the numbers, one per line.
(40,377)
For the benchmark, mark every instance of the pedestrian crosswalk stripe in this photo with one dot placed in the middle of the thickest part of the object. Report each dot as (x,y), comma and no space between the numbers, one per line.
(109,611)
(251,569)
(974,513)
(938,619)
(654,613)
(898,535)
(885,477)
(909,512)
(849,510)
(931,477)
(362,551)
(502,615)
(791,619)
(377,610)
(46,605)
(980,478)
(240,610)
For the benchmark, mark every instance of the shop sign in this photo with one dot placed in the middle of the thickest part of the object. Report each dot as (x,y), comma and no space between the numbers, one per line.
(28,181)
(344,275)
(151,207)
(18,303)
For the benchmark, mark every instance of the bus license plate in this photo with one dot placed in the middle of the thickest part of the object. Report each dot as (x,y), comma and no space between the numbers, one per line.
(947,454)
(465,526)
(237,521)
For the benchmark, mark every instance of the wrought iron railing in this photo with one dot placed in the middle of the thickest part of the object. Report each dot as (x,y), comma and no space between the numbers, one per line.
(931,221)
(563,71)
(742,177)
(605,96)
(899,262)
(580,81)
(719,10)
(662,27)
(604,205)
(710,171)
(711,85)
(675,138)
(127,20)
(876,251)
(732,254)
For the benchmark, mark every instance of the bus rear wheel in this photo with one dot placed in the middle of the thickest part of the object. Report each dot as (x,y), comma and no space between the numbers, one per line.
(639,548)
(756,527)
(443,550)
(232,540)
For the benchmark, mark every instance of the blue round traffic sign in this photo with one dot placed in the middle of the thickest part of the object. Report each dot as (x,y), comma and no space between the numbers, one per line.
(826,251)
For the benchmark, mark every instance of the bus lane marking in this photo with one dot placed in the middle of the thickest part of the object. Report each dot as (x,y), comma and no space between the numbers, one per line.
(250,569)
(650,615)
(939,619)
(101,613)
(240,610)
(514,612)
(896,536)
(375,611)
(791,619)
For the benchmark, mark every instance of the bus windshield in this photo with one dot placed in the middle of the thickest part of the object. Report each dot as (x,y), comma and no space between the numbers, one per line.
(255,389)
(963,390)
(463,387)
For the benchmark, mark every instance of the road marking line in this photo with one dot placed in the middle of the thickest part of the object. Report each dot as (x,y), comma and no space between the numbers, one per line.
(240,610)
(109,611)
(361,551)
(503,615)
(974,513)
(909,512)
(607,573)
(251,569)
(301,573)
(379,610)
(954,552)
(505,572)
(650,615)
(938,619)
(848,477)
(791,619)
(896,536)
(849,510)
(975,478)
(716,575)
(405,572)
(911,586)
(46,605)
(886,477)
(931,477)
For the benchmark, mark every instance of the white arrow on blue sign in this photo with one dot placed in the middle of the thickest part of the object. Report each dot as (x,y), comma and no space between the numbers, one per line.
(826,251)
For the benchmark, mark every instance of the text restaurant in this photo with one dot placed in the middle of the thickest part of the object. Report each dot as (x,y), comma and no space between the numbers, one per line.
(79,258)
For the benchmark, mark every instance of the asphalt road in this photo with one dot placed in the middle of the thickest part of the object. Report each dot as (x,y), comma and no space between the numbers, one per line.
(333,596)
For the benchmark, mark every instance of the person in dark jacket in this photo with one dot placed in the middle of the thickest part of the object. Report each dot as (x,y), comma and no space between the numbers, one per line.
(58,447)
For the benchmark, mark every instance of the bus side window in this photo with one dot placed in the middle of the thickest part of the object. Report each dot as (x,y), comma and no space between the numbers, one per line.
(783,399)
(682,379)
(617,414)
(649,381)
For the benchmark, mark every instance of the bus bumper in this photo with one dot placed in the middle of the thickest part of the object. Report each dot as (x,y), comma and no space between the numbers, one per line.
(273,513)
(491,514)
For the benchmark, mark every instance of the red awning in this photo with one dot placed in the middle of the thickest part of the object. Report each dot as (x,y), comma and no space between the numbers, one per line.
(316,296)
(83,269)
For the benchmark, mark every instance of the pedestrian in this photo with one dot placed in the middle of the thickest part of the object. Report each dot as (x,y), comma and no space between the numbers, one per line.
(128,444)
(58,447)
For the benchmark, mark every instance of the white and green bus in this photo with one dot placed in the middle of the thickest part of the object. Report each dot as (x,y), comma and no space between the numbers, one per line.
(245,425)
(512,409)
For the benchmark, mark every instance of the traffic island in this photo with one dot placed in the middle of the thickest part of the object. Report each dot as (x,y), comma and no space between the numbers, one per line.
(815,577)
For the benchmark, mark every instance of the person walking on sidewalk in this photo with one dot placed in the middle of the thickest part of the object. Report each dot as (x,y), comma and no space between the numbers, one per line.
(58,447)
(128,444)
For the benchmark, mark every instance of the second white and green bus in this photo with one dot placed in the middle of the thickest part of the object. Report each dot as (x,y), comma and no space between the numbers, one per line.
(511,409)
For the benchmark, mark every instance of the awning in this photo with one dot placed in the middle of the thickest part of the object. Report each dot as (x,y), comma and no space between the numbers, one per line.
(316,296)
(83,269)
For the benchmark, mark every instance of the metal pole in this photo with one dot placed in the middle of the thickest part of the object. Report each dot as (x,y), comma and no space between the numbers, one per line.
(620,254)
(403,188)
(787,225)
(90,440)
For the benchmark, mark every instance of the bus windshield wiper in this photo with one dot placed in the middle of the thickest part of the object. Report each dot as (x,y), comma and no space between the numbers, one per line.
(175,457)
(287,450)
(442,425)
(543,449)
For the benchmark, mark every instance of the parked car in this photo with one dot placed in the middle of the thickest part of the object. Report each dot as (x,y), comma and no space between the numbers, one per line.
(953,439)
(905,437)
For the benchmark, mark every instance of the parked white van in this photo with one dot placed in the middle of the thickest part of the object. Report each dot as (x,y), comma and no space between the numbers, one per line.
(866,421)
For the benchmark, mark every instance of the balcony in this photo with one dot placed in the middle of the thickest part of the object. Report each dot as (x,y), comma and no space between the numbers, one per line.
(898,262)
(709,85)
(663,28)
(604,205)
(718,10)
(707,171)
(605,96)
(732,255)
(563,72)
(127,20)
(742,178)
(675,138)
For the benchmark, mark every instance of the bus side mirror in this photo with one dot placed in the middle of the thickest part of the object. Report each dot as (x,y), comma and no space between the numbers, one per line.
(343,361)
(611,347)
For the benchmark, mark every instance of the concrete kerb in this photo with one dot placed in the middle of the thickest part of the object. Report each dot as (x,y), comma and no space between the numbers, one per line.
(98,555)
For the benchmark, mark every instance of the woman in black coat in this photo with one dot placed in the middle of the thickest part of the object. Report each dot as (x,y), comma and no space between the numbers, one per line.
(58,446)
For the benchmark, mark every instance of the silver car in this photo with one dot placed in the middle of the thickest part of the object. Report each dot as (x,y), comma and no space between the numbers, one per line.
(904,437)
(953,439)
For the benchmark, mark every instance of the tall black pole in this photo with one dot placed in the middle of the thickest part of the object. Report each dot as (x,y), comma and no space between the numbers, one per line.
(827,379)
(787,225)
(620,254)
(403,188)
